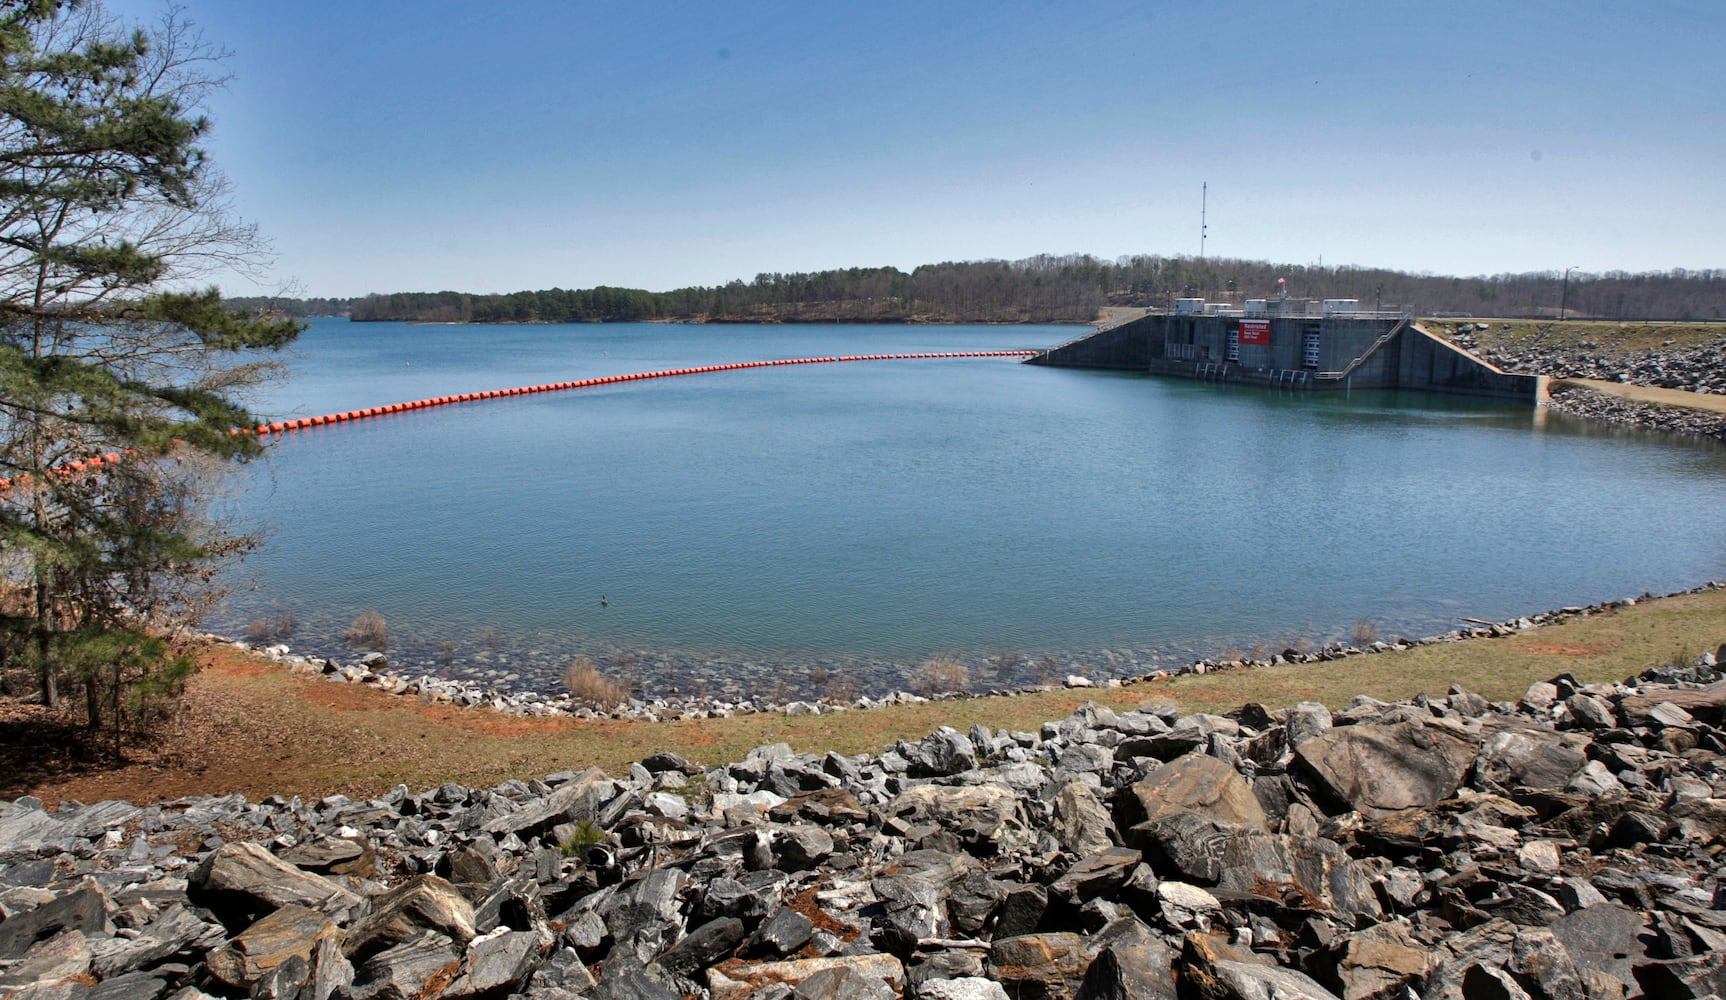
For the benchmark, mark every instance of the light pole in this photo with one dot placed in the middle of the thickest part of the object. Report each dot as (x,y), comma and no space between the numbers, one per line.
(1564,290)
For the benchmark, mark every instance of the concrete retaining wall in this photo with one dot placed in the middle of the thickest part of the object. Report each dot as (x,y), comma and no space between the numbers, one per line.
(1197,347)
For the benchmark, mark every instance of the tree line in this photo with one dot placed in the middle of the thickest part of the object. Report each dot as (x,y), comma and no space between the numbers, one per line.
(1052,289)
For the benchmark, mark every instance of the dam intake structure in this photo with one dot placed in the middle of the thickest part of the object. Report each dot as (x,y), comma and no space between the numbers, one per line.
(1291,344)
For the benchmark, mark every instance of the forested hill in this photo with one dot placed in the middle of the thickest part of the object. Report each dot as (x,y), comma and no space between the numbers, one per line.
(1070,289)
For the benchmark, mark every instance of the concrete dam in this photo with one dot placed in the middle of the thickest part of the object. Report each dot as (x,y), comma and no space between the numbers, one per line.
(1292,344)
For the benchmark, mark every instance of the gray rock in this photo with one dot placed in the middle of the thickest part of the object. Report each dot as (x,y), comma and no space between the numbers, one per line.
(1094,875)
(843,983)
(174,930)
(292,932)
(242,881)
(987,814)
(402,970)
(1130,967)
(1022,911)
(24,829)
(1379,769)
(1082,824)
(964,988)
(1529,758)
(642,915)
(573,801)
(913,894)
(1306,720)
(941,753)
(704,946)
(423,904)
(84,909)
(1379,962)
(781,934)
(62,960)
(801,847)
(1247,981)
(731,982)
(1605,937)
(1590,712)
(1194,783)
(496,966)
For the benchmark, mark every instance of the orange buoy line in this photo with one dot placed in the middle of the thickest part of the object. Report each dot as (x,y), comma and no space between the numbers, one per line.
(305,423)
(95,463)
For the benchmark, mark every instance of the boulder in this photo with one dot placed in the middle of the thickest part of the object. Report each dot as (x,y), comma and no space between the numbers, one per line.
(1195,783)
(1082,823)
(1211,969)
(913,894)
(985,815)
(1039,966)
(62,960)
(84,909)
(843,983)
(424,904)
(1529,758)
(643,914)
(1132,964)
(736,980)
(940,753)
(242,881)
(414,967)
(293,931)
(1378,963)
(1094,875)
(495,966)
(1379,769)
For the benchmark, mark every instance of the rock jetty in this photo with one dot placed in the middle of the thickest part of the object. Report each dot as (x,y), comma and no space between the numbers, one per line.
(1565,847)
(1700,369)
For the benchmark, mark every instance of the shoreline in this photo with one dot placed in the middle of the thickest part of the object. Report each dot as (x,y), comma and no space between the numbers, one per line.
(371,670)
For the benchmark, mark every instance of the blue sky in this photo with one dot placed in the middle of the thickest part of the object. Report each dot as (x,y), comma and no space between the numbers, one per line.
(390,145)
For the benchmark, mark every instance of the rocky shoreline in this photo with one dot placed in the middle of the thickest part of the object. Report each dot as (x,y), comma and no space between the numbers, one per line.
(373,671)
(1581,401)
(1700,369)
(1569,846)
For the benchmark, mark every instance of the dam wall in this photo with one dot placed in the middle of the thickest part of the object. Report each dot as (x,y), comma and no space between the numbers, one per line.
(1317,352)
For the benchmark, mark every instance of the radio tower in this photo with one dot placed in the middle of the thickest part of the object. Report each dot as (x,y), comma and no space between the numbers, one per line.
(1204,198)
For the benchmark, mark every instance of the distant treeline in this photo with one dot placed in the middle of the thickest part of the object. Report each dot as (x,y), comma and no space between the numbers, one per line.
(290,307)
(1071,289)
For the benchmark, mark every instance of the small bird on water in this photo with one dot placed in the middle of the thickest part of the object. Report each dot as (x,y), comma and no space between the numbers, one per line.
(603,602)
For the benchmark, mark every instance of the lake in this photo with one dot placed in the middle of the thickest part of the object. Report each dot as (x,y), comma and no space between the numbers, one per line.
(799,530)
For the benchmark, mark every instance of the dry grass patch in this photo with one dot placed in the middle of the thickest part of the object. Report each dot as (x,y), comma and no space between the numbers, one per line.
(587,686)
(252,727)
(940,676)
(368,632)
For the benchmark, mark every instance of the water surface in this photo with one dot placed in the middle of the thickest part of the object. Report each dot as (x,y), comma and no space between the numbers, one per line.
(750,529)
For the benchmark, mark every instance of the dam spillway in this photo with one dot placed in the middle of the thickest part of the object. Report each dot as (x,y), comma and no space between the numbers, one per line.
(1287,345)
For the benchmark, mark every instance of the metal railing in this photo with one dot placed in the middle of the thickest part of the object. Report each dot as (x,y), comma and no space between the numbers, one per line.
(1382,340)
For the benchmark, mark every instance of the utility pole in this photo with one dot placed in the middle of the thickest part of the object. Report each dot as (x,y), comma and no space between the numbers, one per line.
(1564,291)
(1204,199)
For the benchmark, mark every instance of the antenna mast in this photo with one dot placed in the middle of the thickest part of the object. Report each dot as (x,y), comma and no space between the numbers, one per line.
(1204,199)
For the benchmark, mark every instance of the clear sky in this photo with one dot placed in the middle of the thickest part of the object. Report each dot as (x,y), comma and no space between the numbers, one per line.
(417,145)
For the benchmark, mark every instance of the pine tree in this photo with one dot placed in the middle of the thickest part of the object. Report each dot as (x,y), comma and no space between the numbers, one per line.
(108,211)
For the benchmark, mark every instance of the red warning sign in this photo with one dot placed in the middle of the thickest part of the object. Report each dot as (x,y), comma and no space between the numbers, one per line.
(1255,331)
